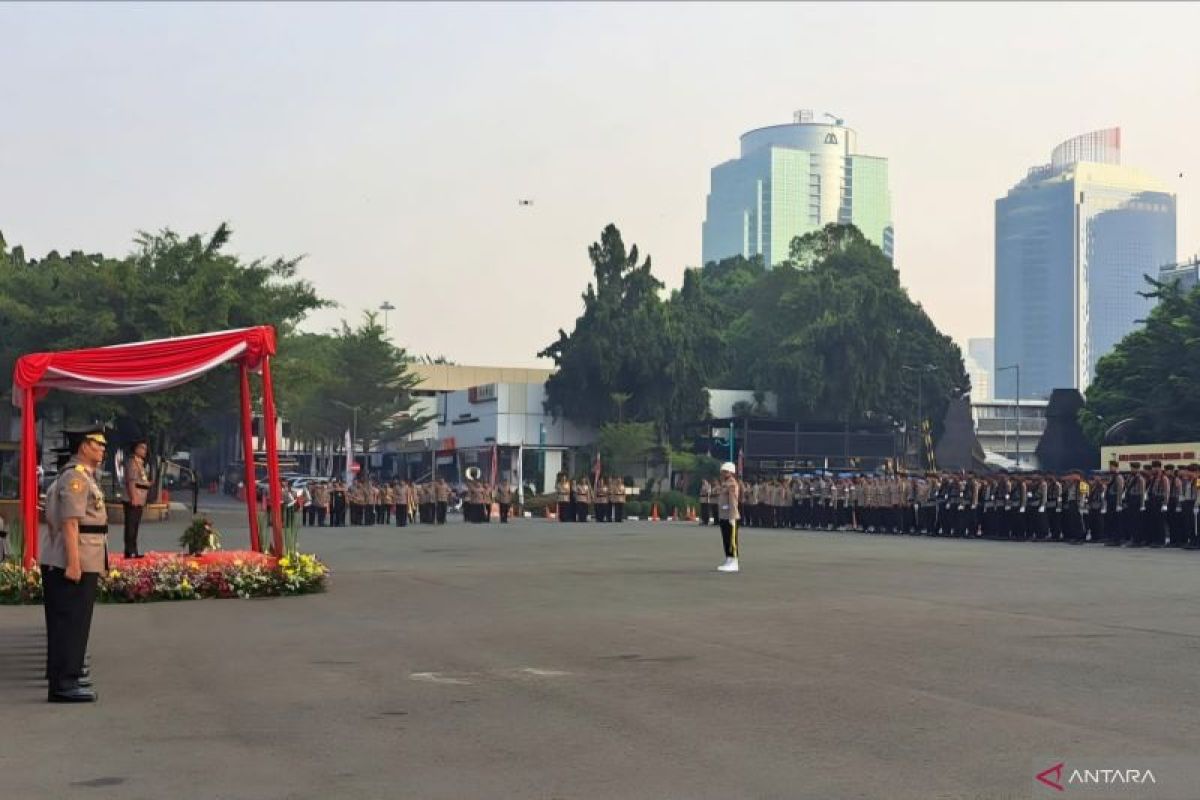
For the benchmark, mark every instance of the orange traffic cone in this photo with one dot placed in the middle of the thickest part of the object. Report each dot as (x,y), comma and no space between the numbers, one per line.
(691,514)
(654,513)
(549,515)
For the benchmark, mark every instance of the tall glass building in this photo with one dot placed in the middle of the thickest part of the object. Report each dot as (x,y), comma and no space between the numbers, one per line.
(1073,240)
(790,180)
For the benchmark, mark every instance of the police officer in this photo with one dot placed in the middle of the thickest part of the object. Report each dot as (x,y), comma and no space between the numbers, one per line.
(728,494)
(137,491)
(74,550)
(616,496)
(504,497)
(562,489)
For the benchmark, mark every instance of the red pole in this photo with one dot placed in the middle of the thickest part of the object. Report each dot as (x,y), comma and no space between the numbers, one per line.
(29,482)
(272,455)
(248,456)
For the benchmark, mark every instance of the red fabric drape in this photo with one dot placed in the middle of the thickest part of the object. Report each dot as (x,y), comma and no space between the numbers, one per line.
(133,368)
(141,366)
(249,480)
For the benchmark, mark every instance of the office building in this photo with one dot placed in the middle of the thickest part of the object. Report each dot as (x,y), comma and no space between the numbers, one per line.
(790,180)
(1186,274)
(1074,239)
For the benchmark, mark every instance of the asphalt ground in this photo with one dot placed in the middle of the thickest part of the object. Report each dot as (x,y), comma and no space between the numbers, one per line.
(539,660)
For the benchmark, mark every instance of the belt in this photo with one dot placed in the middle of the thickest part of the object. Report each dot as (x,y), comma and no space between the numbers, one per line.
(93,529)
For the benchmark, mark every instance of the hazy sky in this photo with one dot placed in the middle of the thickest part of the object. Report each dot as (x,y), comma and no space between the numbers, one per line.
(391,143)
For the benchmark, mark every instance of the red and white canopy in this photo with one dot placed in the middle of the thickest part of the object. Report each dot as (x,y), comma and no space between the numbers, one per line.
(148,367)
(141,366)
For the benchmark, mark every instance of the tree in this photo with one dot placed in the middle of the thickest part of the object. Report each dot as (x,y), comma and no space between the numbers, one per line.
(623,443)
(625,343)
(353,379)
(1152,376)
(170,286)
(828,331)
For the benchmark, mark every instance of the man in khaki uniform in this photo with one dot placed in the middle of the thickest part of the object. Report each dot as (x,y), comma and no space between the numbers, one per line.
(562,489)
(137,491)
(504,497)
(728,495)
(616,496)
(583,498)
(74,550)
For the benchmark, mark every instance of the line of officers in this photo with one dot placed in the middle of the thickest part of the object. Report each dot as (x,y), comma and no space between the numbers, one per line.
(604,497)
(378,502)
(1152,506)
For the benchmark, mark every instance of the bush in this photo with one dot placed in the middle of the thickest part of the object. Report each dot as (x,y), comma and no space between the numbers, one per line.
(672,501)
(633,508)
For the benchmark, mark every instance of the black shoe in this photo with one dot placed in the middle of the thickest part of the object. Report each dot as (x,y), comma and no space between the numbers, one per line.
(134,555)
(84,682)
(73,695)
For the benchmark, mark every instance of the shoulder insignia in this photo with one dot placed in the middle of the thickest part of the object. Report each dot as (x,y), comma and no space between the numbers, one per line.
(80,468)
(76,486)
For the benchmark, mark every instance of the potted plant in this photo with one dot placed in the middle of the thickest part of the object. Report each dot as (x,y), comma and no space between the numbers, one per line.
(200,537)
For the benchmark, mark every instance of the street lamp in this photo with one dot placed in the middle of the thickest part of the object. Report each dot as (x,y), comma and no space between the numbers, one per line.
(348,407)
(1017,368)
(385,308)
(920,399)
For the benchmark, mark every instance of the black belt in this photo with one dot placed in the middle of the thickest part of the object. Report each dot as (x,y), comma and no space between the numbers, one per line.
(93,529)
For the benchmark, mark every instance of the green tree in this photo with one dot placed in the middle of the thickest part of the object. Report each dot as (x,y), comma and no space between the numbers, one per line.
(625,342)
(1153,375)
(170,286)
(623,443)
(828,331)
(353,379)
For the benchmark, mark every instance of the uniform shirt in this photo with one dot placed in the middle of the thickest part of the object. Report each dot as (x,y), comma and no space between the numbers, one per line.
(74,495)
(616,492)
(727,501)
(564,491)
(137,482)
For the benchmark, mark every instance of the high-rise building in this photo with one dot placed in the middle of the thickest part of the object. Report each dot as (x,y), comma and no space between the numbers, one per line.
(790,180)
(1186,274)
(1073,242)
(979,362)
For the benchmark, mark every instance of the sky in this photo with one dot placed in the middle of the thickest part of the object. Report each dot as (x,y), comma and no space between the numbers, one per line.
(390,145)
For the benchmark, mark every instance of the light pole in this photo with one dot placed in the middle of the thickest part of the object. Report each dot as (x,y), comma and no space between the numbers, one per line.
(920,400)
(1017,368)
(385,308)
(354,428)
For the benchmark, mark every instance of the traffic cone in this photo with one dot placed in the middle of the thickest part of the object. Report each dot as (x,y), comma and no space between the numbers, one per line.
(674,514)
(549,515)
(654,513)
(691,514)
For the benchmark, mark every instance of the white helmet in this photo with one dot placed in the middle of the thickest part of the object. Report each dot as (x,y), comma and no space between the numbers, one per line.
(729,467)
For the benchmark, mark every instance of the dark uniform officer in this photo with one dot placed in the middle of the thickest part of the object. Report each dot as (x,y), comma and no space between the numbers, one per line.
(74,550)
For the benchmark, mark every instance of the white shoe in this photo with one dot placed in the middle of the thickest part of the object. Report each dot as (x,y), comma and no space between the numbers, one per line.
(730,565)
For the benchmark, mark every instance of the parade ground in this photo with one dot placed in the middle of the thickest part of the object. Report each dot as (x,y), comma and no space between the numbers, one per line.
(538,660)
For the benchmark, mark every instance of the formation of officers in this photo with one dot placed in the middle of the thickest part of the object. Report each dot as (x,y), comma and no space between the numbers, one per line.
(1148,506)
(369,502)
(603,497)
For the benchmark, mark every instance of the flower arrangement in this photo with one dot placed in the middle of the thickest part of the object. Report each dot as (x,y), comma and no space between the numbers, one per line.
(162,576)
(200,537)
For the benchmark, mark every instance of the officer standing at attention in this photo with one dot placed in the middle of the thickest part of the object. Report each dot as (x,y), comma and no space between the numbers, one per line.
(74,550)
(616,496)
(728,495)
(137,491)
